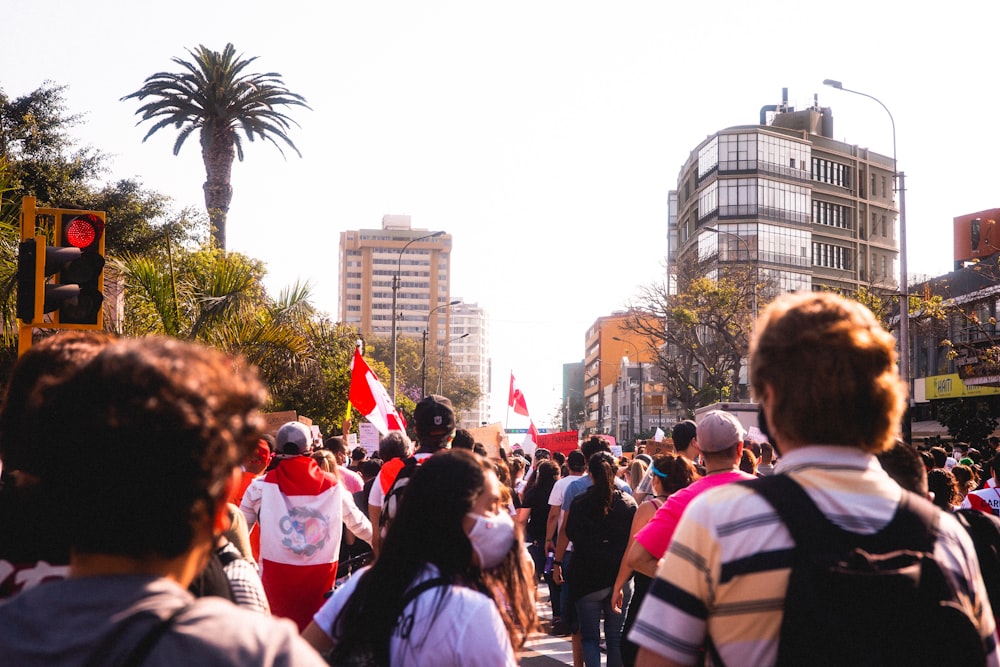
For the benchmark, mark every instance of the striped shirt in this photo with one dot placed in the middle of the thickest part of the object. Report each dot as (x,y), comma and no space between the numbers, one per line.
(713,579)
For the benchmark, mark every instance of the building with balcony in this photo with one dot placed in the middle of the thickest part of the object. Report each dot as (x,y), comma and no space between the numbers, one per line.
(370,259)
(801,209)
(785,207)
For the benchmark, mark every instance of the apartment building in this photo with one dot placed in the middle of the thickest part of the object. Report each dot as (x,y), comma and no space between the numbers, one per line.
(413,263)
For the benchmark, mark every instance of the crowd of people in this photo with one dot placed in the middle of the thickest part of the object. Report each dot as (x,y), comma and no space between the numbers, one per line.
(146,519)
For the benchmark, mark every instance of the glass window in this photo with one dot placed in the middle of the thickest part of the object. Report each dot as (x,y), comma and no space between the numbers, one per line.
(708,157)
(708,200)
(764,197)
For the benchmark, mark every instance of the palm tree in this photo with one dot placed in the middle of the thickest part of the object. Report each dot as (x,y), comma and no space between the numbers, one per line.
(214,96)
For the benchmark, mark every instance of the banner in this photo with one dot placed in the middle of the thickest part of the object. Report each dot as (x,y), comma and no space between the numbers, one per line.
(564,441)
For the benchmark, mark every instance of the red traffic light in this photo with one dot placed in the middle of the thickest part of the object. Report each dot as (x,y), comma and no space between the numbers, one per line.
(83,231)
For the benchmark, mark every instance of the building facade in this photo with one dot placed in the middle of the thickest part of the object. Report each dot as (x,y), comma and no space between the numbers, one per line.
(469,352)
(803,210)
(608,342)
(418,261)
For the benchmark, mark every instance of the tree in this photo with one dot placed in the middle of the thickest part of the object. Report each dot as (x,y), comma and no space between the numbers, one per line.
(968,419)
(218,298)
(214,96)
(43,159)
(461,390)
(699,333)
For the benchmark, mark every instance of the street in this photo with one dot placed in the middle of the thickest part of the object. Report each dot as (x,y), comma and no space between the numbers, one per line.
(544,650)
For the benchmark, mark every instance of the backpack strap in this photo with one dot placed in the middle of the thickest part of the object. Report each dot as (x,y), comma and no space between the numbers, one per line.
(145,645)
(423,586)
(914,524)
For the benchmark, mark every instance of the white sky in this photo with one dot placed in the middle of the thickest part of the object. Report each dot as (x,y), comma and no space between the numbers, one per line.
(543,135)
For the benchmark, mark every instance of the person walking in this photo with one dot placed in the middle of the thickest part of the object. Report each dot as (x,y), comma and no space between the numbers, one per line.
(450,586)
(138,540)
(301,509)
(598,524)
(824,372)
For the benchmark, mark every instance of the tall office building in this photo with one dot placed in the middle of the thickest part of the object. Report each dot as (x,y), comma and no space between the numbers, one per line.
(784,198)
(421,262)
(469,352)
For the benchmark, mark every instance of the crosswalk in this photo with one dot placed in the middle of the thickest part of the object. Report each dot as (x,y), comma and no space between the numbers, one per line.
(542,649)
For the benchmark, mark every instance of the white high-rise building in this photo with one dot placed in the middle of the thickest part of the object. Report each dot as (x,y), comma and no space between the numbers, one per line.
(470,356)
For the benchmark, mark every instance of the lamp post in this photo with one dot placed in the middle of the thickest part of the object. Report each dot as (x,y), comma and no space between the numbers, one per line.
(423,351)
(746,244)
(640,378)
(899,181)
(441,360)
(395,289)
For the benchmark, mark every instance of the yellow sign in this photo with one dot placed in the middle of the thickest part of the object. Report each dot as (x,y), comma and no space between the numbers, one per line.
(951,386)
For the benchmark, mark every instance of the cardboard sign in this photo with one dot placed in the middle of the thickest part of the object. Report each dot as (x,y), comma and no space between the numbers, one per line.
(275,420)
(492,437)
(369,437)
(654,448)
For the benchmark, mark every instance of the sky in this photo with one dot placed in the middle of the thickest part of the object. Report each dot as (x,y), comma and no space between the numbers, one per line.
(544,136)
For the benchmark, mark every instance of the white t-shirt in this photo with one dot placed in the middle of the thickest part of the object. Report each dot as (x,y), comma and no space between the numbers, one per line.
(559,489)
(465,630)
(556,499)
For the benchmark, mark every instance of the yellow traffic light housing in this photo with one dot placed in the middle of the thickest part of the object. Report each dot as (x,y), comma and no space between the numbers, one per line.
(60,269)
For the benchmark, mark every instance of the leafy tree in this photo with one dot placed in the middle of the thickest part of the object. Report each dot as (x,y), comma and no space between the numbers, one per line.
(968,419)
(320,388)
(461,390)
(216,97)
(700,331)
(219,299)
(43,158)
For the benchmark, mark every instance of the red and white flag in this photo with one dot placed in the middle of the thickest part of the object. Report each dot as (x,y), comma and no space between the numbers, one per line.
(515,399)
(371,399)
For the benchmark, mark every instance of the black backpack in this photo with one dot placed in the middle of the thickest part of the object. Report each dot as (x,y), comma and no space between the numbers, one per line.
(878,599)
(985,532)
(394,496)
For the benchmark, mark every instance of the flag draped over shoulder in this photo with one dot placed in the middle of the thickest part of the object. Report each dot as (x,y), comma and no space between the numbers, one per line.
(371,399)
(515,399)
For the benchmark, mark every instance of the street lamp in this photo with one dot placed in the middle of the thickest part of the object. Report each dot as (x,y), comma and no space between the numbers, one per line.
(395,289)
(423,351)
(899,181)
(626,342)
(441,360)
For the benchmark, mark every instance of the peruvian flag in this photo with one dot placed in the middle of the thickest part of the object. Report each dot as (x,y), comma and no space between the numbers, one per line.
(301,519)
(530,442)
(371,399)
(533,432)
(515,399)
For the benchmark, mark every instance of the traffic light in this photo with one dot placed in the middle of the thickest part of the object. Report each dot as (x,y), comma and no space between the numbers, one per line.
(74,261)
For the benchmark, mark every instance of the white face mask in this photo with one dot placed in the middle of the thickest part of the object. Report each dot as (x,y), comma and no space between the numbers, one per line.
(491,538)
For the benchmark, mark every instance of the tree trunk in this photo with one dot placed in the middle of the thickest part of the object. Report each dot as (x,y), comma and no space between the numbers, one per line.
(218,149)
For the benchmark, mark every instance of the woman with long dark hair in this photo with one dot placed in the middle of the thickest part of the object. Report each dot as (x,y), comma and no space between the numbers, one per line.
(598,523)
(451,584)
